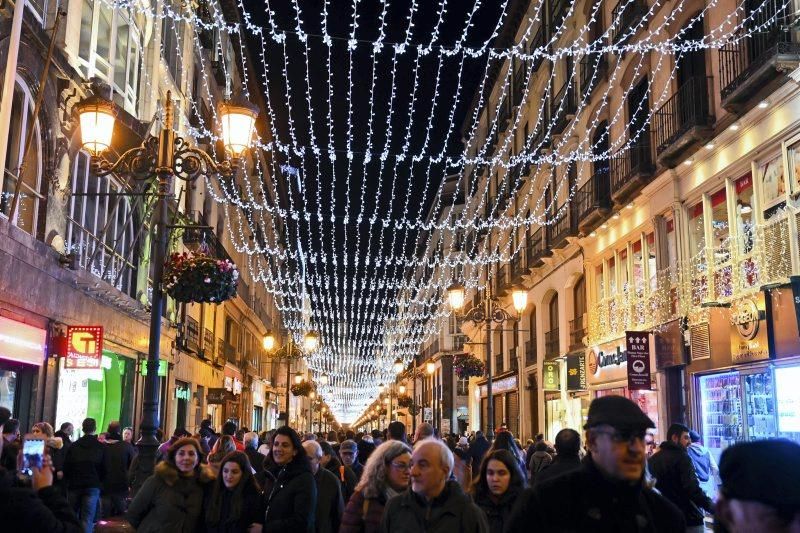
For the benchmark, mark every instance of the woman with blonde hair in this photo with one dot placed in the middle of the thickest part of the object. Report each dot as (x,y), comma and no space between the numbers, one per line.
(386,474)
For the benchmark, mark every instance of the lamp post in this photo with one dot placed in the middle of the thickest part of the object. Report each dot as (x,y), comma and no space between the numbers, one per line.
(484,314)
(160,159)
(289,352)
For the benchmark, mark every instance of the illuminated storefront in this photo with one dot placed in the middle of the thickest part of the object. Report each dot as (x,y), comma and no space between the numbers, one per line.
(22,353)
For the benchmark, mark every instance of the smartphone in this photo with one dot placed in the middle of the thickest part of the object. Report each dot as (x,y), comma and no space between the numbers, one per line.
(32,453)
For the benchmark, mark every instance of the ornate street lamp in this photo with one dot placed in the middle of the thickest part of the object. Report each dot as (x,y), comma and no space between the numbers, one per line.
(269,342)
(311,341)
(159,159)
(484,314)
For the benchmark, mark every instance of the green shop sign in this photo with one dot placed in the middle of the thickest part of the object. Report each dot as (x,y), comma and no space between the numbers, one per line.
(162,368)
(551,379)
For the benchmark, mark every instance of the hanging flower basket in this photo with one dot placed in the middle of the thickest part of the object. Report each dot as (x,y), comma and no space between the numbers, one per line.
(468,366)
(404,400)
(191,277)
(303,388)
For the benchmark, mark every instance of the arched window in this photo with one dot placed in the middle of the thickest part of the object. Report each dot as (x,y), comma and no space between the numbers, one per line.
(530,346)
(21,121)
(101,227)
(551,340)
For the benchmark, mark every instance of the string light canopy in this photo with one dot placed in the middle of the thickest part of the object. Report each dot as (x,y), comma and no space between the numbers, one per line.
(386,207)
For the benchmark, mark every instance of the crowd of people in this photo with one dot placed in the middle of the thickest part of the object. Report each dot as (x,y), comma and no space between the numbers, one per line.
(611,479)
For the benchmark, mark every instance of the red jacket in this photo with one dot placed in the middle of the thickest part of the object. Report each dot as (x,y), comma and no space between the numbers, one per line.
(362,515)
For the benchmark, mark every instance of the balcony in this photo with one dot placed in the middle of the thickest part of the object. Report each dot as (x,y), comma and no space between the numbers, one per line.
(755,65)
(498,363)
(540,140)
(631,169)
(558,11)
(504,114)
(501,281)
(517,267)
(562,227)
(563,107)
(592,71)
(512,359)
(551,344)
(536,250)
(203,239)
(229,353)
(577,332)
(684,121)
(625,16)
(530,351)
(519,83)
(593,201)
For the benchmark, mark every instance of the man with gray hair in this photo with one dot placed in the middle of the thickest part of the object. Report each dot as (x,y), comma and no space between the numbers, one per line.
(251,450)
(433,504)
(424,431)
(330,504)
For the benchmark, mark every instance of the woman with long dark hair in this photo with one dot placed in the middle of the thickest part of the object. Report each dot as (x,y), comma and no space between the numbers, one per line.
(235,502)
(497,487)
(172,498)
(504,440)
(290,493)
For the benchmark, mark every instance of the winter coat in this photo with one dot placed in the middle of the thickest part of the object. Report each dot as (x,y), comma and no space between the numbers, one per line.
(561,465)
(60,455)
(451,511)
(169,501)
(497,512)
(538,462)
(42,511)
(117,461)
(363,515)
(84,465)
(357,469)
(677,481)
(290,498)
(256,459)
(252,512)
(330,505)
(477,450)
(462,469)
(704,465)
(586,501)
(345,475)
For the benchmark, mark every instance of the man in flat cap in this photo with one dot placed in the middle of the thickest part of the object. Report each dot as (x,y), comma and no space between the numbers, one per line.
(608,492)
(760,488)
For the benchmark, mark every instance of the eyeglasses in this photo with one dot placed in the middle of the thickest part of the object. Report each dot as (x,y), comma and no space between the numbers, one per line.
(626,436)
(400,466)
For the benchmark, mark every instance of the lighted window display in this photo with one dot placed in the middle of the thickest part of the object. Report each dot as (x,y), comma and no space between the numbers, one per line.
(598,282)
(638,267)
(697,233)
(794,167)
(788,401)
(8,388)
(722,251)
(772,183)
(647,400)
(624,280)
(652,269)
(744,213)
(612,276)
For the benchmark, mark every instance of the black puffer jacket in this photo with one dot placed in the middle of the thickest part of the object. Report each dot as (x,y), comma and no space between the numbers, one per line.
(585,500)
(84,465)
(291,498)
(451,511)
(252,512)
(676,480)
(117,461)
(497,512)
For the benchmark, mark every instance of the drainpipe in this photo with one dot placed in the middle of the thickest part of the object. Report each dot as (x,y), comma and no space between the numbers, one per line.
(9,78)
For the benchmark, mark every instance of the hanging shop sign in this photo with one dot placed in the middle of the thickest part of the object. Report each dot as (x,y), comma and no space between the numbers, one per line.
(551,380)
(21,343)
(748,331)
(637,344)
(237,386)
(576,372)
(162,367)
(85,347)
(669,345)
(501,385)
(218,396)
(427,414)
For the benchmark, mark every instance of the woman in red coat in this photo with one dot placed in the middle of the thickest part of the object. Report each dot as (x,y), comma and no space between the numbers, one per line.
(386,474)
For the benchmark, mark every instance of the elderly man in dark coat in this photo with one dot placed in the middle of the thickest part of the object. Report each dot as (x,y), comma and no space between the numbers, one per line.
(330,504)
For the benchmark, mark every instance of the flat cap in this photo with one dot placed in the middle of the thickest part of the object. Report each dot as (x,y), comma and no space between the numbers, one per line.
(618,412)
(765,471)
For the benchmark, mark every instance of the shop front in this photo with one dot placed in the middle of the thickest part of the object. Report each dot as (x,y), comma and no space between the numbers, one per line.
(258,390)
(22,354)
(611,372)
(749,391)
(104,389)
(566,398)
(232,408)
(505,395)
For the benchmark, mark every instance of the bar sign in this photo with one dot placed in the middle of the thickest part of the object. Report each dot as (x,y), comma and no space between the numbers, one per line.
(637,344)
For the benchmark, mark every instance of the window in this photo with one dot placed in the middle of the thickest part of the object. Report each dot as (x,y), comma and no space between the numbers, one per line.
(110,48)
(719,226)
(172,42)
(744,213)
(772,182)
(638,267)
(20,122)
(624,280)
(100,227)
(598,282)
(612,276)
(652,265)
(697,235)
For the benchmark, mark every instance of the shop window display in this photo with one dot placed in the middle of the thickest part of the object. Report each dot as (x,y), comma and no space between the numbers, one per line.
(722,251)
(8,388)
(772,184)
(647,400)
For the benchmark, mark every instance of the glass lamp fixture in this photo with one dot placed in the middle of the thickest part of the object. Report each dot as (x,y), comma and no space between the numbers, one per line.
(238,117)
(397,366)
(520,297)
(402,389)
(269,341)
(311,341)
(312,395)
(430,367)
(298,379)
(96,117)
(323,379)
(455,296)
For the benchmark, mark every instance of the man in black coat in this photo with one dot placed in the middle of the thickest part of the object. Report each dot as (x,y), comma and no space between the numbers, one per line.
(607,493)
(84,470)
(251,450)
(330,505)
(676,479)
(117,461)
(478,449)
(348,451)
(567,459)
